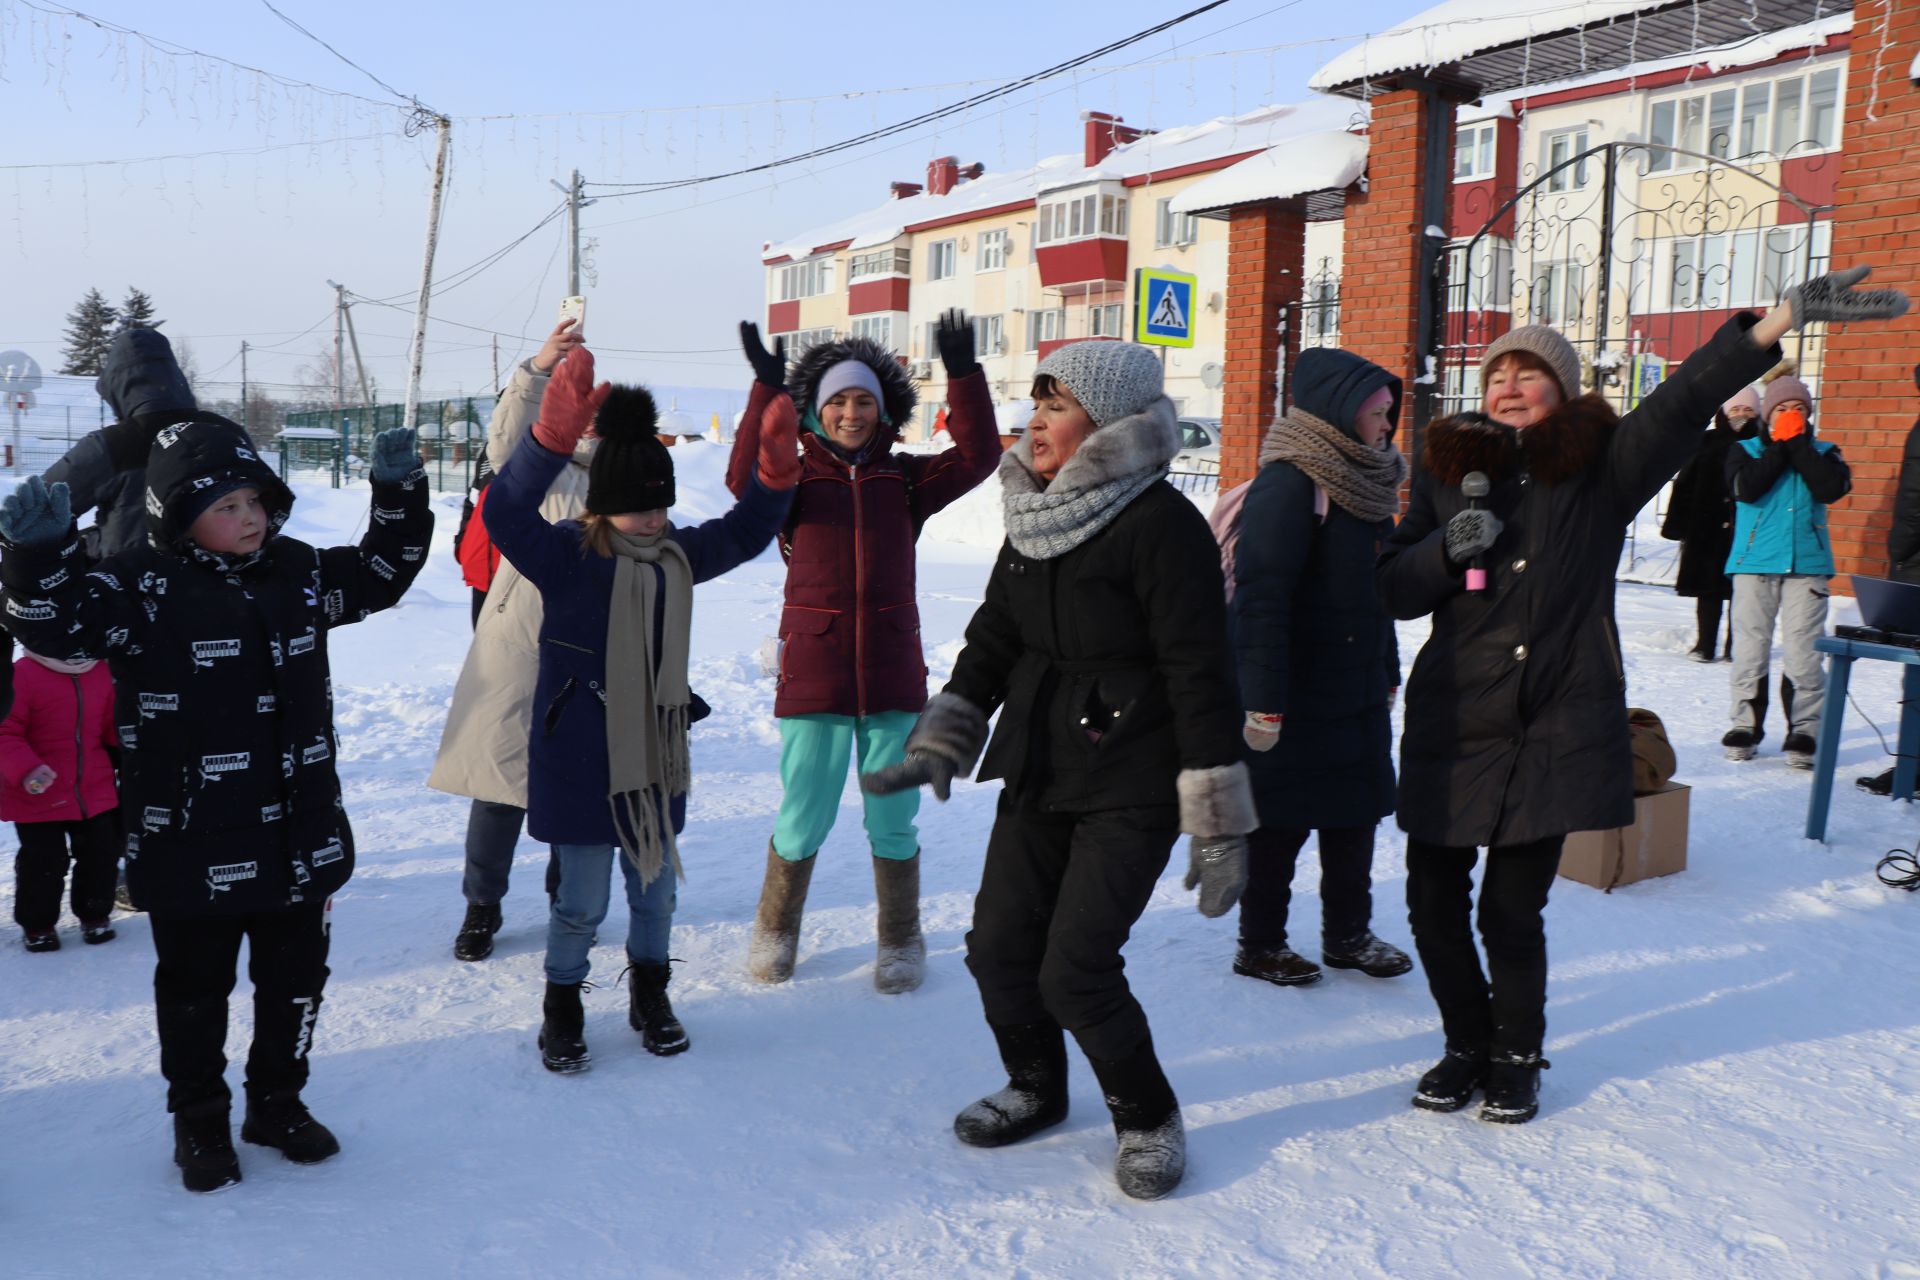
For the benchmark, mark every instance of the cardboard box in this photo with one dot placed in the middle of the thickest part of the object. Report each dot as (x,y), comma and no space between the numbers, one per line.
(1655,845)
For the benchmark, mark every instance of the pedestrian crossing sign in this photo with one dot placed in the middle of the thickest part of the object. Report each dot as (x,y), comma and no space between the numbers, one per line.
(1163,303)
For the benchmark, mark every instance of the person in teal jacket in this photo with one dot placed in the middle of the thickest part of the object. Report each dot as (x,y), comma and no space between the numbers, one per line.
(1782,481)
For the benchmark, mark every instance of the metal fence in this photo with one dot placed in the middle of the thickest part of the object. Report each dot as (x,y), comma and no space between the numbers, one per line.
(335,443)
(1195,475)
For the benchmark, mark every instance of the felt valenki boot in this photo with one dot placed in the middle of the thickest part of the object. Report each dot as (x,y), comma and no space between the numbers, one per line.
(1035,1055)
(1146,1119)
(776,924)
(901,961)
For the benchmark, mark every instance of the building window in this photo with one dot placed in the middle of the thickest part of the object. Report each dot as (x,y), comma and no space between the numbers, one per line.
(798,340)
(1788,115)
(1561,148)
(992,251)
(1558,290)
(941,257)
(1081,217)
(1473,152)
(806,279)
(881,262)
(879,328)
(1046,326)
(1724,271)
(1486,282)
(1170,228)
(989,336)
(1105,321)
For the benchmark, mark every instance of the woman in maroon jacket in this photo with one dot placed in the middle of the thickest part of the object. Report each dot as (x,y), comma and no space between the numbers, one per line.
(851,676)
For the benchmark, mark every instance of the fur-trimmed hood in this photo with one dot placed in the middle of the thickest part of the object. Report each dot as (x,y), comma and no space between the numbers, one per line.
(1124,447)
(896,390)
(1552,451)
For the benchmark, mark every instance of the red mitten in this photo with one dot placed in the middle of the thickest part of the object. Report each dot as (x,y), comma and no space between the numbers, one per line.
(571,400)
(780,445)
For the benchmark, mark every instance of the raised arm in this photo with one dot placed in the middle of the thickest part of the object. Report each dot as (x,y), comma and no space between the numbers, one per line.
(519,404)
(54,606)
(360,580)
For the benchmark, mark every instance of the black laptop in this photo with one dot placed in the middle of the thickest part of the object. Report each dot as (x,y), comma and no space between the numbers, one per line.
(1890,612)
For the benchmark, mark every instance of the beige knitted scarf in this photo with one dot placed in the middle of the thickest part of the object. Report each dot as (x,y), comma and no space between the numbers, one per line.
(647,697)
(1362,480)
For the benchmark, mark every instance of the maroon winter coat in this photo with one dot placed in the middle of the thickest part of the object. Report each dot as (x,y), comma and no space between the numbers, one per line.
(850,630)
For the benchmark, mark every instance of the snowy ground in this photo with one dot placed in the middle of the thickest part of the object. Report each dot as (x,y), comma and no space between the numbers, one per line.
(1732,1094)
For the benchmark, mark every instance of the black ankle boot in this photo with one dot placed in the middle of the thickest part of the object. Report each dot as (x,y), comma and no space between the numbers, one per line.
(563,1044)
(650,1013)
(285,1124)
(1035,1055)
(203,1148)
(1450,1084)
(1513,1087)
(475,939)
(1152,1155)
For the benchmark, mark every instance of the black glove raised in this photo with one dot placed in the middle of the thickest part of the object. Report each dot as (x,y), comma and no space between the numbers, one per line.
(954,336)
(1833,297)
(769,367)
(1471,533)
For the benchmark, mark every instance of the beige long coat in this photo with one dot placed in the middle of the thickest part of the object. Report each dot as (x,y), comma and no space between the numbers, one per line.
(483,750)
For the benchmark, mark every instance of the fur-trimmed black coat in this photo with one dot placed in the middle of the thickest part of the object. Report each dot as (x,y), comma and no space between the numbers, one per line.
(1516,712)
(223,694)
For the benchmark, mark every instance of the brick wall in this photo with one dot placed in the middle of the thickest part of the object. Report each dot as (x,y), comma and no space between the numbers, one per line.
(1266,262)
(1867,396)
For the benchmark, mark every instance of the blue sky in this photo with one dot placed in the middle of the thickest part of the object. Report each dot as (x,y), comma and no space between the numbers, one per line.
(242,245)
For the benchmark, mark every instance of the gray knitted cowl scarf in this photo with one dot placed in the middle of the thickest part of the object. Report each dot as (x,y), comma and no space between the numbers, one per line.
(1114,465)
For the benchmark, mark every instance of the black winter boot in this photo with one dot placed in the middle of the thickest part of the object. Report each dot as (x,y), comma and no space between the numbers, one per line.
(1035,1055)
(1513,1087)
(1281,966)
(1741,741)
(203,1147)
(1450,1084)
(1800,749)
(285,1124)
(475,939)
(1146,1118)
(563,1043)
(650,1013)
(1368,954)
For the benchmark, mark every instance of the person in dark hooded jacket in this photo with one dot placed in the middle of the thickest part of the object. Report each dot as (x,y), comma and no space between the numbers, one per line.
(852,676)
(1700,518)
(141,381)
(216,632)
(1319,664)
(1516,718)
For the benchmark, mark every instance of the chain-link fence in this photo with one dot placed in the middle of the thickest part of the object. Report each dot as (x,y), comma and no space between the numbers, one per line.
(334,443)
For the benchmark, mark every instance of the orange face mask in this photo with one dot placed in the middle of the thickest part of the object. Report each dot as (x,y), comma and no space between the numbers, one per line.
(1788,423)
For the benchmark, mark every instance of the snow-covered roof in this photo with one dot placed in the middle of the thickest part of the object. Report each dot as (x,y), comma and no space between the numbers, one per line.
(1174,148)
(1313,162)
(1506,45)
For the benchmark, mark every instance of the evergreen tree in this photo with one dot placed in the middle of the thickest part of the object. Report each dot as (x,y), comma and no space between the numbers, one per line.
(137,311)
(90,327)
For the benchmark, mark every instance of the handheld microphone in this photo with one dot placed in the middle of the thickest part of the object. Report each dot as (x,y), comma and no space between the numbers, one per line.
(1473,486)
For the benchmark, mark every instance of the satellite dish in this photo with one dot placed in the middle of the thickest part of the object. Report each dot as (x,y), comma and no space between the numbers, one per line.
(1212,374)
(18,372)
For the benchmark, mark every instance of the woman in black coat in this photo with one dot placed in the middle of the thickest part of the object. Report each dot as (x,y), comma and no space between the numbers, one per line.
(1700,518)
(1103,642)
(1318,663)
(1516,725)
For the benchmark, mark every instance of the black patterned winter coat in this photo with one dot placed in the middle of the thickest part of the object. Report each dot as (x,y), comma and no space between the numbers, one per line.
(1516,715)
(224,698)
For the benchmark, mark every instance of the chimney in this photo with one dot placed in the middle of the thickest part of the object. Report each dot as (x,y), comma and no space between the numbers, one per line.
(901,190)
(942,175)
(1104,133)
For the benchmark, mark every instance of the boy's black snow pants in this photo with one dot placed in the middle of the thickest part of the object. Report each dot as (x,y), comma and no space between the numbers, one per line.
(1058,897)
(40,869)
(198,957)
(1505,1008)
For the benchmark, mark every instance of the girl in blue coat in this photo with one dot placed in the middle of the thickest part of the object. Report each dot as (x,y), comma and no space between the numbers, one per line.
(608,768)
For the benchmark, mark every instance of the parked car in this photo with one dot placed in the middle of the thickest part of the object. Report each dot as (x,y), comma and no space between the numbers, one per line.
(1200,438)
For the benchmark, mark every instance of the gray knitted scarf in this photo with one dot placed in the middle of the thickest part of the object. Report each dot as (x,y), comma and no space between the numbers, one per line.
(1113,466)
(1362,480)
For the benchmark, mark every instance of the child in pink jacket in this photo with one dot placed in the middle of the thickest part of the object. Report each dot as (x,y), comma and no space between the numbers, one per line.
(57,788)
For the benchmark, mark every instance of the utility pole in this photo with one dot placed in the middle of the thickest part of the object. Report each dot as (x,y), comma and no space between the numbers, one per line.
(574,205)
(340,373)
(496,364)
(366,396)
(426,271)
(245,418)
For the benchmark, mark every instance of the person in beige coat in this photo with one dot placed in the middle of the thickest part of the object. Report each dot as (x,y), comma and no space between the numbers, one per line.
(483,749)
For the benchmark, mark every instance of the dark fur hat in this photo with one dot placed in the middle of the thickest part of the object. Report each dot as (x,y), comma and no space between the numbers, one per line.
(1552,451)
(897,393)
(631,469)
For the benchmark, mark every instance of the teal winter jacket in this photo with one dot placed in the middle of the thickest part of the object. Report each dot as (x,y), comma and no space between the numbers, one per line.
(1782,489)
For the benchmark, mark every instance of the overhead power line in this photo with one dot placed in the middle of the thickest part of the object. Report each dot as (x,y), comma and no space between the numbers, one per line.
(404,97)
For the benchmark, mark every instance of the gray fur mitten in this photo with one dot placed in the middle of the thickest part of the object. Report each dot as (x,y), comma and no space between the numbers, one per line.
(946,741)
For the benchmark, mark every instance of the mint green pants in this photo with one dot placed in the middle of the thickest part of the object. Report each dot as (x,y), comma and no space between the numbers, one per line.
(813,771)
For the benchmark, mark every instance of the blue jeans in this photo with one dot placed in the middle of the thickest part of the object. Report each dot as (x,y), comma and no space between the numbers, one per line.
(586,876)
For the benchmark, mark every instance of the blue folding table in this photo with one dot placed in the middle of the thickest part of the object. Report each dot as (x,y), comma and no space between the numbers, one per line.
(1841,653)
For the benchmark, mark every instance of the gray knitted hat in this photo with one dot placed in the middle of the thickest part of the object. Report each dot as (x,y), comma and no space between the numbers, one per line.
(1110,379)
(1543,344)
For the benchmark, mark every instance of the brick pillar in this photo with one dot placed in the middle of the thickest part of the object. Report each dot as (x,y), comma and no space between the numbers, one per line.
(1266,263)
(1380,280)
(1866,378)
